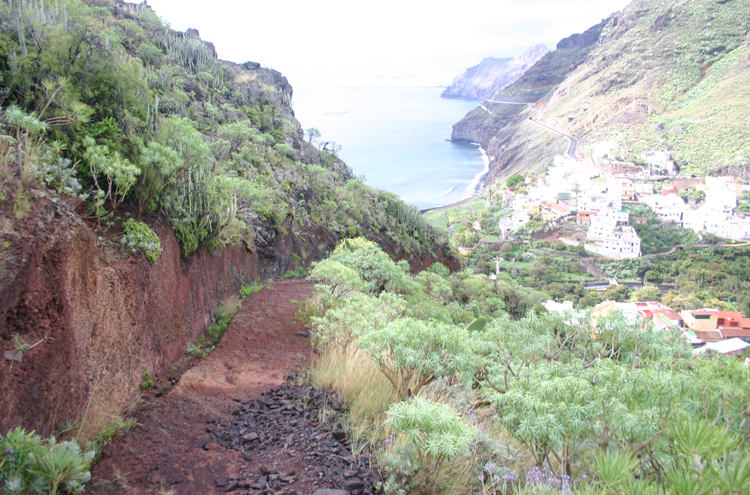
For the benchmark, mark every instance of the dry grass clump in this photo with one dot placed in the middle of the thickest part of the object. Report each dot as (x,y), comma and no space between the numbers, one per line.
(240,79)
(367,392)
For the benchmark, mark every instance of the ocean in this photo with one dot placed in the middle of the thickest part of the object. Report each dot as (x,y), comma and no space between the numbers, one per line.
(398,138)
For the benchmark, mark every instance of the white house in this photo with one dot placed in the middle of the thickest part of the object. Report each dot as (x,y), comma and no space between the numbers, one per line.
(646,188)
(604,226)
(694,220)
(623,242)
(660,161)
(721,203)
(601,227)
(591,201)
(726,347)
(514,221)
(668,208)
(716,217)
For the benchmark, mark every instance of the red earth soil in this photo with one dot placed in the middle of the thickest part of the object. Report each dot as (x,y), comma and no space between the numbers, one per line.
(170,448)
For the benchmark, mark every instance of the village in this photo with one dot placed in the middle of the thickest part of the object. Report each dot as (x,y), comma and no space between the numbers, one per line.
(597,199)
(726,332)
(577,207)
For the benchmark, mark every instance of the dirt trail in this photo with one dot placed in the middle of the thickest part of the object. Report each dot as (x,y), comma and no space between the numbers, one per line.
(170,448)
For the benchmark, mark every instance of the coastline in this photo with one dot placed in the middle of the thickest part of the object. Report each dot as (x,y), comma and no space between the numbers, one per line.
(473,189)
(477,183)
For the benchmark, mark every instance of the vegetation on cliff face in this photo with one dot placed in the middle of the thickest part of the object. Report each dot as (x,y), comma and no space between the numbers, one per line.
(668,74)
(111,111)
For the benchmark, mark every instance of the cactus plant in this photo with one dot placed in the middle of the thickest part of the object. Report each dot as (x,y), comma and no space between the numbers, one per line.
(478,324)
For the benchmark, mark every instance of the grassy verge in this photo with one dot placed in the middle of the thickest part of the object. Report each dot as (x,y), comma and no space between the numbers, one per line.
(208,340)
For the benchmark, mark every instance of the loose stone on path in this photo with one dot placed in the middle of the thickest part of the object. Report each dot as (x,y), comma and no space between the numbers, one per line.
(290,426)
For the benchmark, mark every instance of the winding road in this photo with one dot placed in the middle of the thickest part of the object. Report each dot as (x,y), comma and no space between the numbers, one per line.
(573,142)
(718,244)
(572,147)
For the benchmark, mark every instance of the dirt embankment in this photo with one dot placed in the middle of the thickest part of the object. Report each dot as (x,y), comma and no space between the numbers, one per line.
(107,321)
(171,445)
(105,317)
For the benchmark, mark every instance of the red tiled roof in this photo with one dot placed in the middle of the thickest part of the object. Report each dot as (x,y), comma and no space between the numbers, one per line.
(729,333)
(560,209)
(708,335)
(735,315)
(672,314)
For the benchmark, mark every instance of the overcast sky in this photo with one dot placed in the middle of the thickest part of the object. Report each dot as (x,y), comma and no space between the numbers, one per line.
(350,42)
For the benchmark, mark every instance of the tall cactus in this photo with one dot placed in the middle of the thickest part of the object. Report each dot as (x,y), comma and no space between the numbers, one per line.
(410,217)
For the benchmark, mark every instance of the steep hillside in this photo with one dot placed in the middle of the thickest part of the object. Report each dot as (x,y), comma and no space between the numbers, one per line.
(672,75)
(493,74)
(668,75)
(504,131)
(144,181)
(209,144)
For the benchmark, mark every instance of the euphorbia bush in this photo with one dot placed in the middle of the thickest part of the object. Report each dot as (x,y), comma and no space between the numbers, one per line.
(433,433)
(413,353)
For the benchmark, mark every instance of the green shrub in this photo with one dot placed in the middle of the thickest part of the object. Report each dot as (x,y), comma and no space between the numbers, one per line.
(29,464)
(336,280)
(224,314)
(371,262)
(514,180)
(413,353)
(189,236)
(139,235)
(248,290)
(300,271)
(354,317)
(147,383)
(433,433)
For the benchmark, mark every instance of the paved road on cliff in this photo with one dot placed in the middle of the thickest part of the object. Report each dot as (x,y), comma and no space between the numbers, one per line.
(572,142)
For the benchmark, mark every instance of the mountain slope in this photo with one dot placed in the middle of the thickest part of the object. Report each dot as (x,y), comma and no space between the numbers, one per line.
(493,74)
(671,75)
(211,145)
(504,131)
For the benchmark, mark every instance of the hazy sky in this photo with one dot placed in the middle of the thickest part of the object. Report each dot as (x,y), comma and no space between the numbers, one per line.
(349,42)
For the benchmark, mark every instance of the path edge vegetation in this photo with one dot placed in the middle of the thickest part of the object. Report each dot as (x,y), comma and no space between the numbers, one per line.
(535,402)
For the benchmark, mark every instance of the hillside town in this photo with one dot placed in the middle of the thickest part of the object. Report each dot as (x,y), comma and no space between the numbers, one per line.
(726,332)
(596,199)
(575,191)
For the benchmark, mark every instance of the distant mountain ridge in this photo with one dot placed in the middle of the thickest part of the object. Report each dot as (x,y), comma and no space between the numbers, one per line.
(493,74)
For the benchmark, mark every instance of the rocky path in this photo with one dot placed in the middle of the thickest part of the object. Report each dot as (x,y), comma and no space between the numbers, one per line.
(230,424)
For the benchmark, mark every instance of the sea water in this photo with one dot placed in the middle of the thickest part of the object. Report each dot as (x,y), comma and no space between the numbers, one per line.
(398,138)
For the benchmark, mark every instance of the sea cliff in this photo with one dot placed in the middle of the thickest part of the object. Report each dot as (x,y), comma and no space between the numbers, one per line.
(493,74)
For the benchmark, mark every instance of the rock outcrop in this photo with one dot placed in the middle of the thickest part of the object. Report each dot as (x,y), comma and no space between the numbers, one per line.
(493,74)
